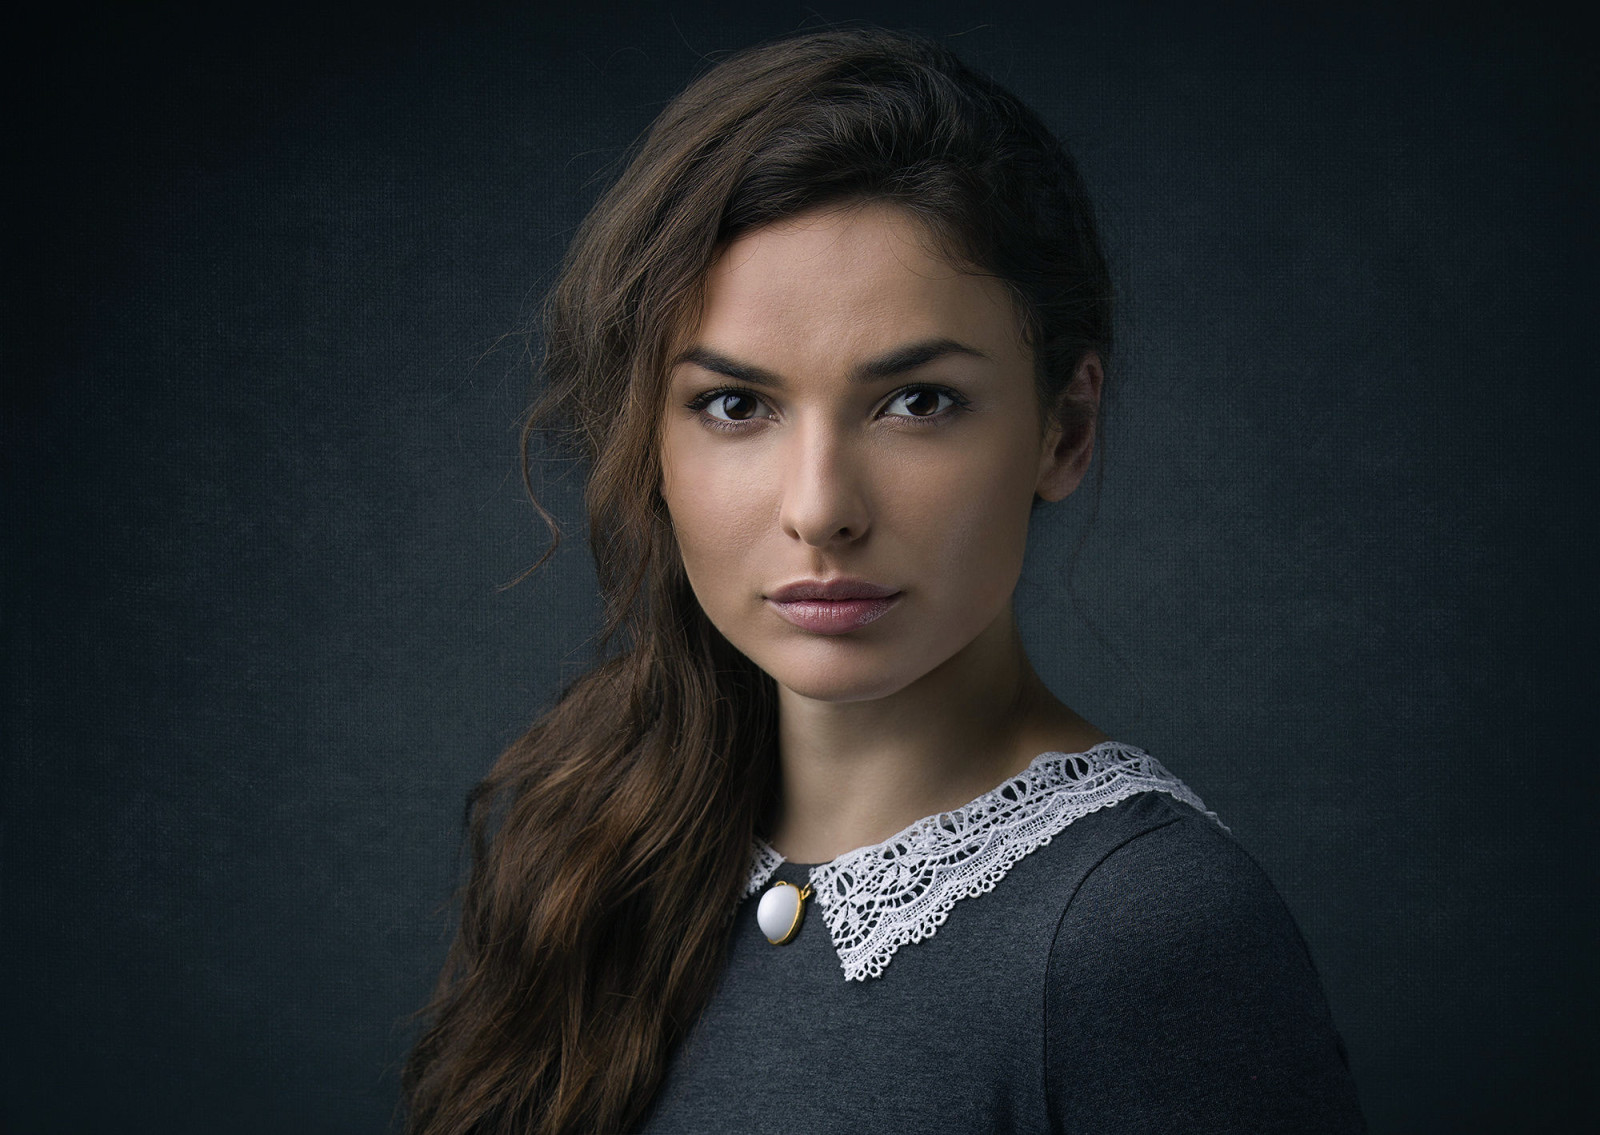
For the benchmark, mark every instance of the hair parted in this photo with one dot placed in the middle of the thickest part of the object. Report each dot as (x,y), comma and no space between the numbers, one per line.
(611,842)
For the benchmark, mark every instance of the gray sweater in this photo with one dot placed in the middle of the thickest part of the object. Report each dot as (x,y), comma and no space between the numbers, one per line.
(1137,973)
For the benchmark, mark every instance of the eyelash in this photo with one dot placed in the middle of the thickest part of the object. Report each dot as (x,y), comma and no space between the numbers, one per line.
(700,401)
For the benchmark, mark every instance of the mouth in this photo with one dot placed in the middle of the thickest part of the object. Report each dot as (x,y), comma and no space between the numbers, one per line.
(841,589)
(835,616)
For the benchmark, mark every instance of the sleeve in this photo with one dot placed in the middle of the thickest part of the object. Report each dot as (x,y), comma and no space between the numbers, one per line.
(1180,996)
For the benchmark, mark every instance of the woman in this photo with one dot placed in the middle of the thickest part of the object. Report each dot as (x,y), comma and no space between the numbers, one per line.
(815,849)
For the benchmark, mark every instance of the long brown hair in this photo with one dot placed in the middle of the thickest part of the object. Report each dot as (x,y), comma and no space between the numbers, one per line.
(611,842)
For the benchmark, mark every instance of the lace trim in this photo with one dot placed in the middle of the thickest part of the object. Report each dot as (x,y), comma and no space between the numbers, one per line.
(766,862)
(876,899)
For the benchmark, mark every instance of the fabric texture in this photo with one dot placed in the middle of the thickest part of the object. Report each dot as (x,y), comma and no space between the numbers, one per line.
(1136,973)
(876,899)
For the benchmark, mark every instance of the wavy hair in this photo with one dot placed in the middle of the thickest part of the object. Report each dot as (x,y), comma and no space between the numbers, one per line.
(610,843)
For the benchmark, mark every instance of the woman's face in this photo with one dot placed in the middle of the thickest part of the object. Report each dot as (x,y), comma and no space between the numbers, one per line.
(851,405)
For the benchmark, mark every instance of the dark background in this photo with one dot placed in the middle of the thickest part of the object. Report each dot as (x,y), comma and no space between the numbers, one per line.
(262,372)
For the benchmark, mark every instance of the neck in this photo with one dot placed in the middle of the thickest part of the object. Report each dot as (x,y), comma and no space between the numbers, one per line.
(855,773)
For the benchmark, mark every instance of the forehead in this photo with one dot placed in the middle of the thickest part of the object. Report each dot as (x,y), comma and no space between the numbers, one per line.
(832,286)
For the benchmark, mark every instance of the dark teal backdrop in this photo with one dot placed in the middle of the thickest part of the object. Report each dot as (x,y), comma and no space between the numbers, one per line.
(261,381)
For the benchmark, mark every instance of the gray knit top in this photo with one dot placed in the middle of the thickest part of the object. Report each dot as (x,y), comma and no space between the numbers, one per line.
(1083,949)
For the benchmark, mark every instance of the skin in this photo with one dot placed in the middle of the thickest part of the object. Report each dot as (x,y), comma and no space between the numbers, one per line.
(936,702)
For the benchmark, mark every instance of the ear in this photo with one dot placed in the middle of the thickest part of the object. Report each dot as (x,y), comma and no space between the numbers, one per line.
(1064,454)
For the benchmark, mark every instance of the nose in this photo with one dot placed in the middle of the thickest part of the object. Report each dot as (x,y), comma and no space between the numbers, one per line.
(824,488)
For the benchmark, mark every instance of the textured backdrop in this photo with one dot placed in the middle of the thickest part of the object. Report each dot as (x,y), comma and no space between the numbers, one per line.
(262,371)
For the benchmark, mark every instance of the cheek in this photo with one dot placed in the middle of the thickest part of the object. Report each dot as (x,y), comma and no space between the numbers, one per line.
(971,522)
(716,520)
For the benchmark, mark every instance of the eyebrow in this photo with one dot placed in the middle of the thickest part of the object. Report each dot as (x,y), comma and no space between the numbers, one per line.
(888,365)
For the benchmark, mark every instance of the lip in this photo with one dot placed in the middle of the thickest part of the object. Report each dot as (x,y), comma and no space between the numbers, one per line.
(831,590)
(855,604)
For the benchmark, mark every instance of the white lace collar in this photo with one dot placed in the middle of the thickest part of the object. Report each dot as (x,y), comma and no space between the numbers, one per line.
(876,899)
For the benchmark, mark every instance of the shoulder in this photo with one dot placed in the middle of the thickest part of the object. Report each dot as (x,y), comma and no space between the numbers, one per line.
(1160,875)
(1179,985)
(1169,871)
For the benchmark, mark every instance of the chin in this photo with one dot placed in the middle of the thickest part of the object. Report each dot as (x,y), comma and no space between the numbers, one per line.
(832,689)
(825,676)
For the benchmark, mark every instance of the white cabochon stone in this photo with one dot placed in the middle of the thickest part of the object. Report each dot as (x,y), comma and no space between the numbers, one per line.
(777,910)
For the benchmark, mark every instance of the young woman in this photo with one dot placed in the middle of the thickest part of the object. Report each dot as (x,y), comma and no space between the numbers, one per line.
(814,849)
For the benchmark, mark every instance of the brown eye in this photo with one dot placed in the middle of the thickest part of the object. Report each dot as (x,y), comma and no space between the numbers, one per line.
(738,407)
(728,408)
(922,403)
